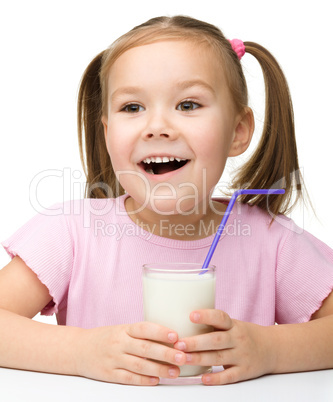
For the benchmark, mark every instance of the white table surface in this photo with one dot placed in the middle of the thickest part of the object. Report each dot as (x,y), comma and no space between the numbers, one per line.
(26,386)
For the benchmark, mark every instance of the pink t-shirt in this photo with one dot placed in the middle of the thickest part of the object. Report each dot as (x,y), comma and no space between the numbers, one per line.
(90,254)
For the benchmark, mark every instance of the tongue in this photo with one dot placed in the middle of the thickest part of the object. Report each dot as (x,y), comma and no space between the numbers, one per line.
(161,168)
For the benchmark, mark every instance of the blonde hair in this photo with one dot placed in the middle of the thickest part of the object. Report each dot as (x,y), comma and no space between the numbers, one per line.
(275,160)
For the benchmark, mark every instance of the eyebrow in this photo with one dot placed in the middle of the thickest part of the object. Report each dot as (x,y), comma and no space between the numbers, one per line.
(125,91)
(182,85)
(195,83)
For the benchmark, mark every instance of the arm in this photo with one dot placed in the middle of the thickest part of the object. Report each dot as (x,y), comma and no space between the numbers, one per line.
(307,346)
(115,354)
(248,350)
(24,343)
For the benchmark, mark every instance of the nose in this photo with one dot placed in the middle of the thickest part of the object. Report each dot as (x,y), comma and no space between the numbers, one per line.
(151,135)
(159,126)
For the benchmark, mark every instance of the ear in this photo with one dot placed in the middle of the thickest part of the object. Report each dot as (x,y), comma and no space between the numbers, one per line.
(243,132)
(105,126)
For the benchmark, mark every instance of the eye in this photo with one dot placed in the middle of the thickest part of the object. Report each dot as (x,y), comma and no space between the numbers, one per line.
(187,106)
(132,108)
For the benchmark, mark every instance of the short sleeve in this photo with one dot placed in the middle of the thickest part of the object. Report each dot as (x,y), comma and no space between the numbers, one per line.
(45,244)
(304,276)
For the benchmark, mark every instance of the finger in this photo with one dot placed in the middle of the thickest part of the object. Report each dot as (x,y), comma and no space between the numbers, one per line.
(228,376)
(216,318)
(121,376)
(156,351)
(216,340)
(149,368)
(211,358)
(152,331)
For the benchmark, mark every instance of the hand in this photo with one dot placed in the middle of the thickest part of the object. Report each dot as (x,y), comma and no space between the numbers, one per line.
(120,354)
(242,348)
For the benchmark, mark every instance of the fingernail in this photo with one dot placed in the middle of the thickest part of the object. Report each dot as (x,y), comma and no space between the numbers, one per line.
(207,379)
(180,345)
(196,317)
(154,380)
(188,357)
(178,357)
(172,372)
(172,337)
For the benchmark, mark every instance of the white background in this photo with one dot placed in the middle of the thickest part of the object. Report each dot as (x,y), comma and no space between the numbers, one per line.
(45,47)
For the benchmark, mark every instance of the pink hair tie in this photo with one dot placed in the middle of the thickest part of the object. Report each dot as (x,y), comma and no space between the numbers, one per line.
(238,47)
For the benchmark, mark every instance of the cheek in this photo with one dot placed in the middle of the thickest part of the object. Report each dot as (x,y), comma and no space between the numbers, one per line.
(213,142)
(118,146)
(117,155)
(213,149)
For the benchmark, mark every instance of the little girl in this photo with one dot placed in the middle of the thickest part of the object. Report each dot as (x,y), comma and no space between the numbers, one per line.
(159,113)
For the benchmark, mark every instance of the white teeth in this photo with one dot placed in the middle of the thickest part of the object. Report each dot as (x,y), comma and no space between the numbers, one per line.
(162,159)
(150,171)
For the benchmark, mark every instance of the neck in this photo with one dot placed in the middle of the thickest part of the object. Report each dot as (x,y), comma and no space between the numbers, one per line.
(200,224)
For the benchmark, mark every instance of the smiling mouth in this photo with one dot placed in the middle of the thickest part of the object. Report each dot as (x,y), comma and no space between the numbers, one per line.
(162,164)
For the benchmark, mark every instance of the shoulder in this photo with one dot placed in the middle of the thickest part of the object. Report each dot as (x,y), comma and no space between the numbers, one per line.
(83,214)
(260,222)
(85,207)
(293,241)
(269,226)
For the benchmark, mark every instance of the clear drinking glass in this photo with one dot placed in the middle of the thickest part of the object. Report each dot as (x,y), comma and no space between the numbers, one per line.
(171,291)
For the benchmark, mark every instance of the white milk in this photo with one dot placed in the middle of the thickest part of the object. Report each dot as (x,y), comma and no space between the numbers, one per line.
(169,298)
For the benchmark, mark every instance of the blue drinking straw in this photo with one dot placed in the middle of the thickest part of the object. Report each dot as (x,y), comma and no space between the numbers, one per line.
(226,216)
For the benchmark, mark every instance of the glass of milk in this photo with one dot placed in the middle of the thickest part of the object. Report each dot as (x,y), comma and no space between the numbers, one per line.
(171,291)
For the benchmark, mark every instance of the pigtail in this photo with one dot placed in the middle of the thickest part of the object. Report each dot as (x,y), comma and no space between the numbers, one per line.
(274,164)
(101,181)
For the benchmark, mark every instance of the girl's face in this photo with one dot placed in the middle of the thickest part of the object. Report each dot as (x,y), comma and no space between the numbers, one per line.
(171,124)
